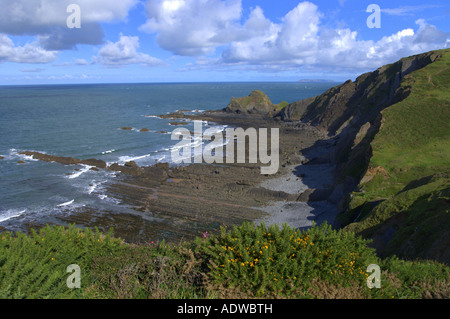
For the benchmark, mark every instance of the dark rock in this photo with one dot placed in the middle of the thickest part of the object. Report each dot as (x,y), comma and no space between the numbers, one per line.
(144,130)
(294,111)
(126,128)
(129,170)
(52,158)
(65,160)
(304,197)
(156,173)
(131,164)
(94,162)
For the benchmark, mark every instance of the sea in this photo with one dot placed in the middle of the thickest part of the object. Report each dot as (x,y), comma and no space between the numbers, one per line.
(86,121)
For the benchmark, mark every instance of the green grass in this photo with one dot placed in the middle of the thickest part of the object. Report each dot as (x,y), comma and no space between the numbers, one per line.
(281,105)
(412,145)
(415,134)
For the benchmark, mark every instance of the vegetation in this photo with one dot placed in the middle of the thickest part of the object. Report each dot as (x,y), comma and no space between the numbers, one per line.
(246,261)
(410,153)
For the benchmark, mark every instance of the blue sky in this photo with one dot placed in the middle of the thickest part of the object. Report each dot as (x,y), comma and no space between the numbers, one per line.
(211,40)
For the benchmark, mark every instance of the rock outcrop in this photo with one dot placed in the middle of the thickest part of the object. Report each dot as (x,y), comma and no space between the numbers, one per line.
(256,102)
(65,160)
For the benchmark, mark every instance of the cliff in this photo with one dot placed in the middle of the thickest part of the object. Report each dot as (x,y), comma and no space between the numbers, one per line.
(389,130)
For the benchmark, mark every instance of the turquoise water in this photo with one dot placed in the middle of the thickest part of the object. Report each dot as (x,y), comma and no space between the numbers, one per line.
(84,121)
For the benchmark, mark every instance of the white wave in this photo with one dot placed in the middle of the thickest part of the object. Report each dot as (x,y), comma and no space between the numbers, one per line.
(14,153)
(85,169)
(10,214)
(109,151)
(153,116)
(66,203)
(96,187)
(159,159)
(124,159)
(92,187)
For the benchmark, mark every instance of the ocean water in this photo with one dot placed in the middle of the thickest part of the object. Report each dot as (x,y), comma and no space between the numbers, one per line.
(84,121)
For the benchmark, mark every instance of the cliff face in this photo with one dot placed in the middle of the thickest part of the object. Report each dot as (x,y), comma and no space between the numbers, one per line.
(390,135)
(355,103)
(351,113)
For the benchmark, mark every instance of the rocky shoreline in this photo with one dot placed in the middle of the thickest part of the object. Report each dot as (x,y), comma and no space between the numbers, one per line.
(178,203)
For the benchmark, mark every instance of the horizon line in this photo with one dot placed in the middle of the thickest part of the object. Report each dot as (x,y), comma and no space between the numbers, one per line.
(316,81)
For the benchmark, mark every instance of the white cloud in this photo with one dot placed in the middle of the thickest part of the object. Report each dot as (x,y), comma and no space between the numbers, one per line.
(47,19)
(33,17)
(198,27)
(29,53)
(81,62)
(193,27)
(407,10)
(123,52)
(300,41)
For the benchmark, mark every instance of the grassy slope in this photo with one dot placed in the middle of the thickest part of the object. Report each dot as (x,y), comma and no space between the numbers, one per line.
(413,146)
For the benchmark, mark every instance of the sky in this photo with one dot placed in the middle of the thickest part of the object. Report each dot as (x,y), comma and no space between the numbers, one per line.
(122,41)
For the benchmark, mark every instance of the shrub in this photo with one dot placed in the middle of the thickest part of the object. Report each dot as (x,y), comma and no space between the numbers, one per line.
(284,261)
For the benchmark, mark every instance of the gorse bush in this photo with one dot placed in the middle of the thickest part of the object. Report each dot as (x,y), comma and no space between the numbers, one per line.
(282,260)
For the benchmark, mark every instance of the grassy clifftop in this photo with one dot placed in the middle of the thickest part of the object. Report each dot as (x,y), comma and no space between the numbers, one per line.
(402,200)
